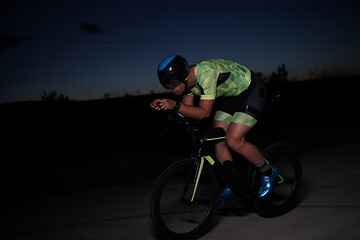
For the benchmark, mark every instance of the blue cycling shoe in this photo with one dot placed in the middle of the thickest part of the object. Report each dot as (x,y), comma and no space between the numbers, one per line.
(225,194)
(267,183)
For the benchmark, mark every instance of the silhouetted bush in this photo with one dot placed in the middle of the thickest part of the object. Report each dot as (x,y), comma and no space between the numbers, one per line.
(53,96)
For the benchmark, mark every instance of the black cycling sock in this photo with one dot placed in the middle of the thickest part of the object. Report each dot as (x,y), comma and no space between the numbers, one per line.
(221,174)
(232,178)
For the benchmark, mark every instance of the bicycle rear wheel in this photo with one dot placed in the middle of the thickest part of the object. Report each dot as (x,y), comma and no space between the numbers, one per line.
(173,214)
(287,184)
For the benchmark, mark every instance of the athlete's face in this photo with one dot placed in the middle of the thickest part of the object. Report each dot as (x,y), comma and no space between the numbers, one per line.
(178,89)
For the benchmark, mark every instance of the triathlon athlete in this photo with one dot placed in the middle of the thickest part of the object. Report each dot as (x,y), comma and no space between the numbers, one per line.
(240,98)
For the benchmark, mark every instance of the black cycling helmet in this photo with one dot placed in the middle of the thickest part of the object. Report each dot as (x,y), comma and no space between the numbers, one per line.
(172,71)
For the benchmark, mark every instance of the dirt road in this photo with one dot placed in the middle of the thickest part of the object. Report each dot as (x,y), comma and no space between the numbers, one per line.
(329,209)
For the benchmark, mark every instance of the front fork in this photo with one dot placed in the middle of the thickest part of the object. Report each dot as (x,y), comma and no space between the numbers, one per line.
(198,172)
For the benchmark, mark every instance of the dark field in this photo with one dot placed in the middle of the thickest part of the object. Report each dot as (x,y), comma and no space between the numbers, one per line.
(57,147)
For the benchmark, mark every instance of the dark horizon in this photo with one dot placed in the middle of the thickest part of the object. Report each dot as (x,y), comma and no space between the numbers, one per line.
(55,96)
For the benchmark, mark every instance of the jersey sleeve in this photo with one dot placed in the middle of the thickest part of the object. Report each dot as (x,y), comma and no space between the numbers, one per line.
(207,79)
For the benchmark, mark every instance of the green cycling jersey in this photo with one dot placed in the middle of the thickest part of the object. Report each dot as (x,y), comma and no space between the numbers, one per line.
(220,78)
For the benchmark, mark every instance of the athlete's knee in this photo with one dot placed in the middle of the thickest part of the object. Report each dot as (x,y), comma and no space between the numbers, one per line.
(235,144)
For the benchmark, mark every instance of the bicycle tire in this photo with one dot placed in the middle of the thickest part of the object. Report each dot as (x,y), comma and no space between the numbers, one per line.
(208,185)
(284,195)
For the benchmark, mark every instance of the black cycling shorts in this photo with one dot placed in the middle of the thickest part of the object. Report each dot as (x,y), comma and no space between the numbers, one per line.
(246,108)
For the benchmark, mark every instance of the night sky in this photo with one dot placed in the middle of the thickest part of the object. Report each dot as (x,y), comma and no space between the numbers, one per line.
(84,49)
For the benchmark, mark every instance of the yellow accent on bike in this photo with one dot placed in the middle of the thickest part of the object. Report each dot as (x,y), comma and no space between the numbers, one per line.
(210,160)
(281,178)
(198,174)
(213,139)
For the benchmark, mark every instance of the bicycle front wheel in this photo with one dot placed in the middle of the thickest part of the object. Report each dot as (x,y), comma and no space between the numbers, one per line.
(286,189)
(176,212)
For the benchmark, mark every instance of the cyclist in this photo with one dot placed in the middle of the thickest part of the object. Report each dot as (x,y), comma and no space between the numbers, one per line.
(236,94)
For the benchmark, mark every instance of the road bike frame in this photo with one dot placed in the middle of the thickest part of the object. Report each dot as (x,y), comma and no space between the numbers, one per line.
(214,134)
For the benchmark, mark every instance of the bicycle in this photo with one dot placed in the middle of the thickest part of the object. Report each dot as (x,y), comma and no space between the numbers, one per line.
(185,198)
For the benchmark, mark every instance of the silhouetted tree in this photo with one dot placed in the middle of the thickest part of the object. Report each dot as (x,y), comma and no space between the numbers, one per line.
(280,77)
(260,75)
(108,95)
(48,96)
(126,94)
(62,97)
(53,96)
(319,73)
(276,82)
(324,73)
